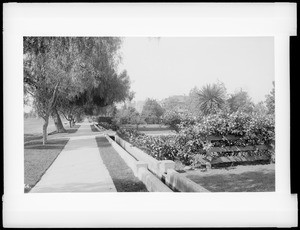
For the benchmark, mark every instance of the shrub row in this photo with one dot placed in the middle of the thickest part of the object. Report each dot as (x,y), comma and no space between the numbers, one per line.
(105,119)
(107,125)
(191,145)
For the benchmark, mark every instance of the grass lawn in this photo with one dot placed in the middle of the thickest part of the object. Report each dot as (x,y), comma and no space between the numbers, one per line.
(122,176)
(252,178)
(38,157)
(34,125)
(34,137)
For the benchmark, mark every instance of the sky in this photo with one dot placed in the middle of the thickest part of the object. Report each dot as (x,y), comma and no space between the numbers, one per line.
(159,68)
(166,66)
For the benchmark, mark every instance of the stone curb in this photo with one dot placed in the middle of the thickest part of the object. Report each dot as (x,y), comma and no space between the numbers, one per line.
(129,160)
(164,170)
(139,168)
(181,183)
(152,183)
(97,127)
(153,164)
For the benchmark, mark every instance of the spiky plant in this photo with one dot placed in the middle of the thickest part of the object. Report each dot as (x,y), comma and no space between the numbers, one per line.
(211,98)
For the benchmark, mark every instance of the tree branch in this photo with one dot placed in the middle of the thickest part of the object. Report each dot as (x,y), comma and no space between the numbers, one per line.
(65,116)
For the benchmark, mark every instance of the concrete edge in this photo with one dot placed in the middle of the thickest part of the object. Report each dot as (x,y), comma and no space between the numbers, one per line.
(152,183)
(129,160)
(139,168)
(181,183)
(153,164)
(97,127)
(164,170)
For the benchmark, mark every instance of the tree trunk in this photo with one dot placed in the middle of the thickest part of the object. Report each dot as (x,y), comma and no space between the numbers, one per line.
(45,134)
(73,122)
(57,121)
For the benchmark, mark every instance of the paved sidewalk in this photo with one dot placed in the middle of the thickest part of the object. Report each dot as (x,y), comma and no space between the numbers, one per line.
(78,168)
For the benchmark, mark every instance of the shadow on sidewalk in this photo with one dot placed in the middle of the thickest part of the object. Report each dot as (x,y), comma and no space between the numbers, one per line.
(51,144)
(74,187)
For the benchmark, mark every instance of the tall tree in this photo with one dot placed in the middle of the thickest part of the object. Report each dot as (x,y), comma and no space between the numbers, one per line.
(43,76)
(83,69)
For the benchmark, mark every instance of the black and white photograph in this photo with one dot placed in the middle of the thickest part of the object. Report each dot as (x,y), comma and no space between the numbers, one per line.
(147,115)
(125,114)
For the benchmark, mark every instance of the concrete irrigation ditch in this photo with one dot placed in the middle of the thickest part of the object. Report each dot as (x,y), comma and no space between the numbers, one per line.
(158,176)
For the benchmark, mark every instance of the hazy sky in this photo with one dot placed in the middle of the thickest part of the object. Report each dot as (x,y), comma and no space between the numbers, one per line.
(159,68)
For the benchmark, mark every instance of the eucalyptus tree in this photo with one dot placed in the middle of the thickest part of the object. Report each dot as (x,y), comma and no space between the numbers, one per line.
(43,76)
(60,72)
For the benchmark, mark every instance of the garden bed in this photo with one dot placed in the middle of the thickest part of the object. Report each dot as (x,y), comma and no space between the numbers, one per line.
(240,138)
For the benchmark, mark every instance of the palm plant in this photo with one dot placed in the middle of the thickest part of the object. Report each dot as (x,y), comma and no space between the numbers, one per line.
(211,98)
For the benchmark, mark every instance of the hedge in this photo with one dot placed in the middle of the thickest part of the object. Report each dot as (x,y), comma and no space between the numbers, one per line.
(190,144)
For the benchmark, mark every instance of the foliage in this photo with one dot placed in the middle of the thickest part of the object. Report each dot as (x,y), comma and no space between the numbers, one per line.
(212,98)
(175,118)
(193,102)
(128,115)
(108,125)
(270,100)
(124,115)
(240,101)
(159,147)
(65,72)
(175,103)
(260,108)
(191,141)
(107,111)
(253,130)
(104,119)
(172,118)
(152,111)
(72,112)
(87,65)
(30,114)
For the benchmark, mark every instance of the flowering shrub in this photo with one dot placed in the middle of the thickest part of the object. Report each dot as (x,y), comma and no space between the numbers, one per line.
(252,130)
(178,120)
(159,147)
(107,125)
(191,140)
(104,119)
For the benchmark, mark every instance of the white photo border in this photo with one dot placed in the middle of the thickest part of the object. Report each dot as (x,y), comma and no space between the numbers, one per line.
(274,209)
